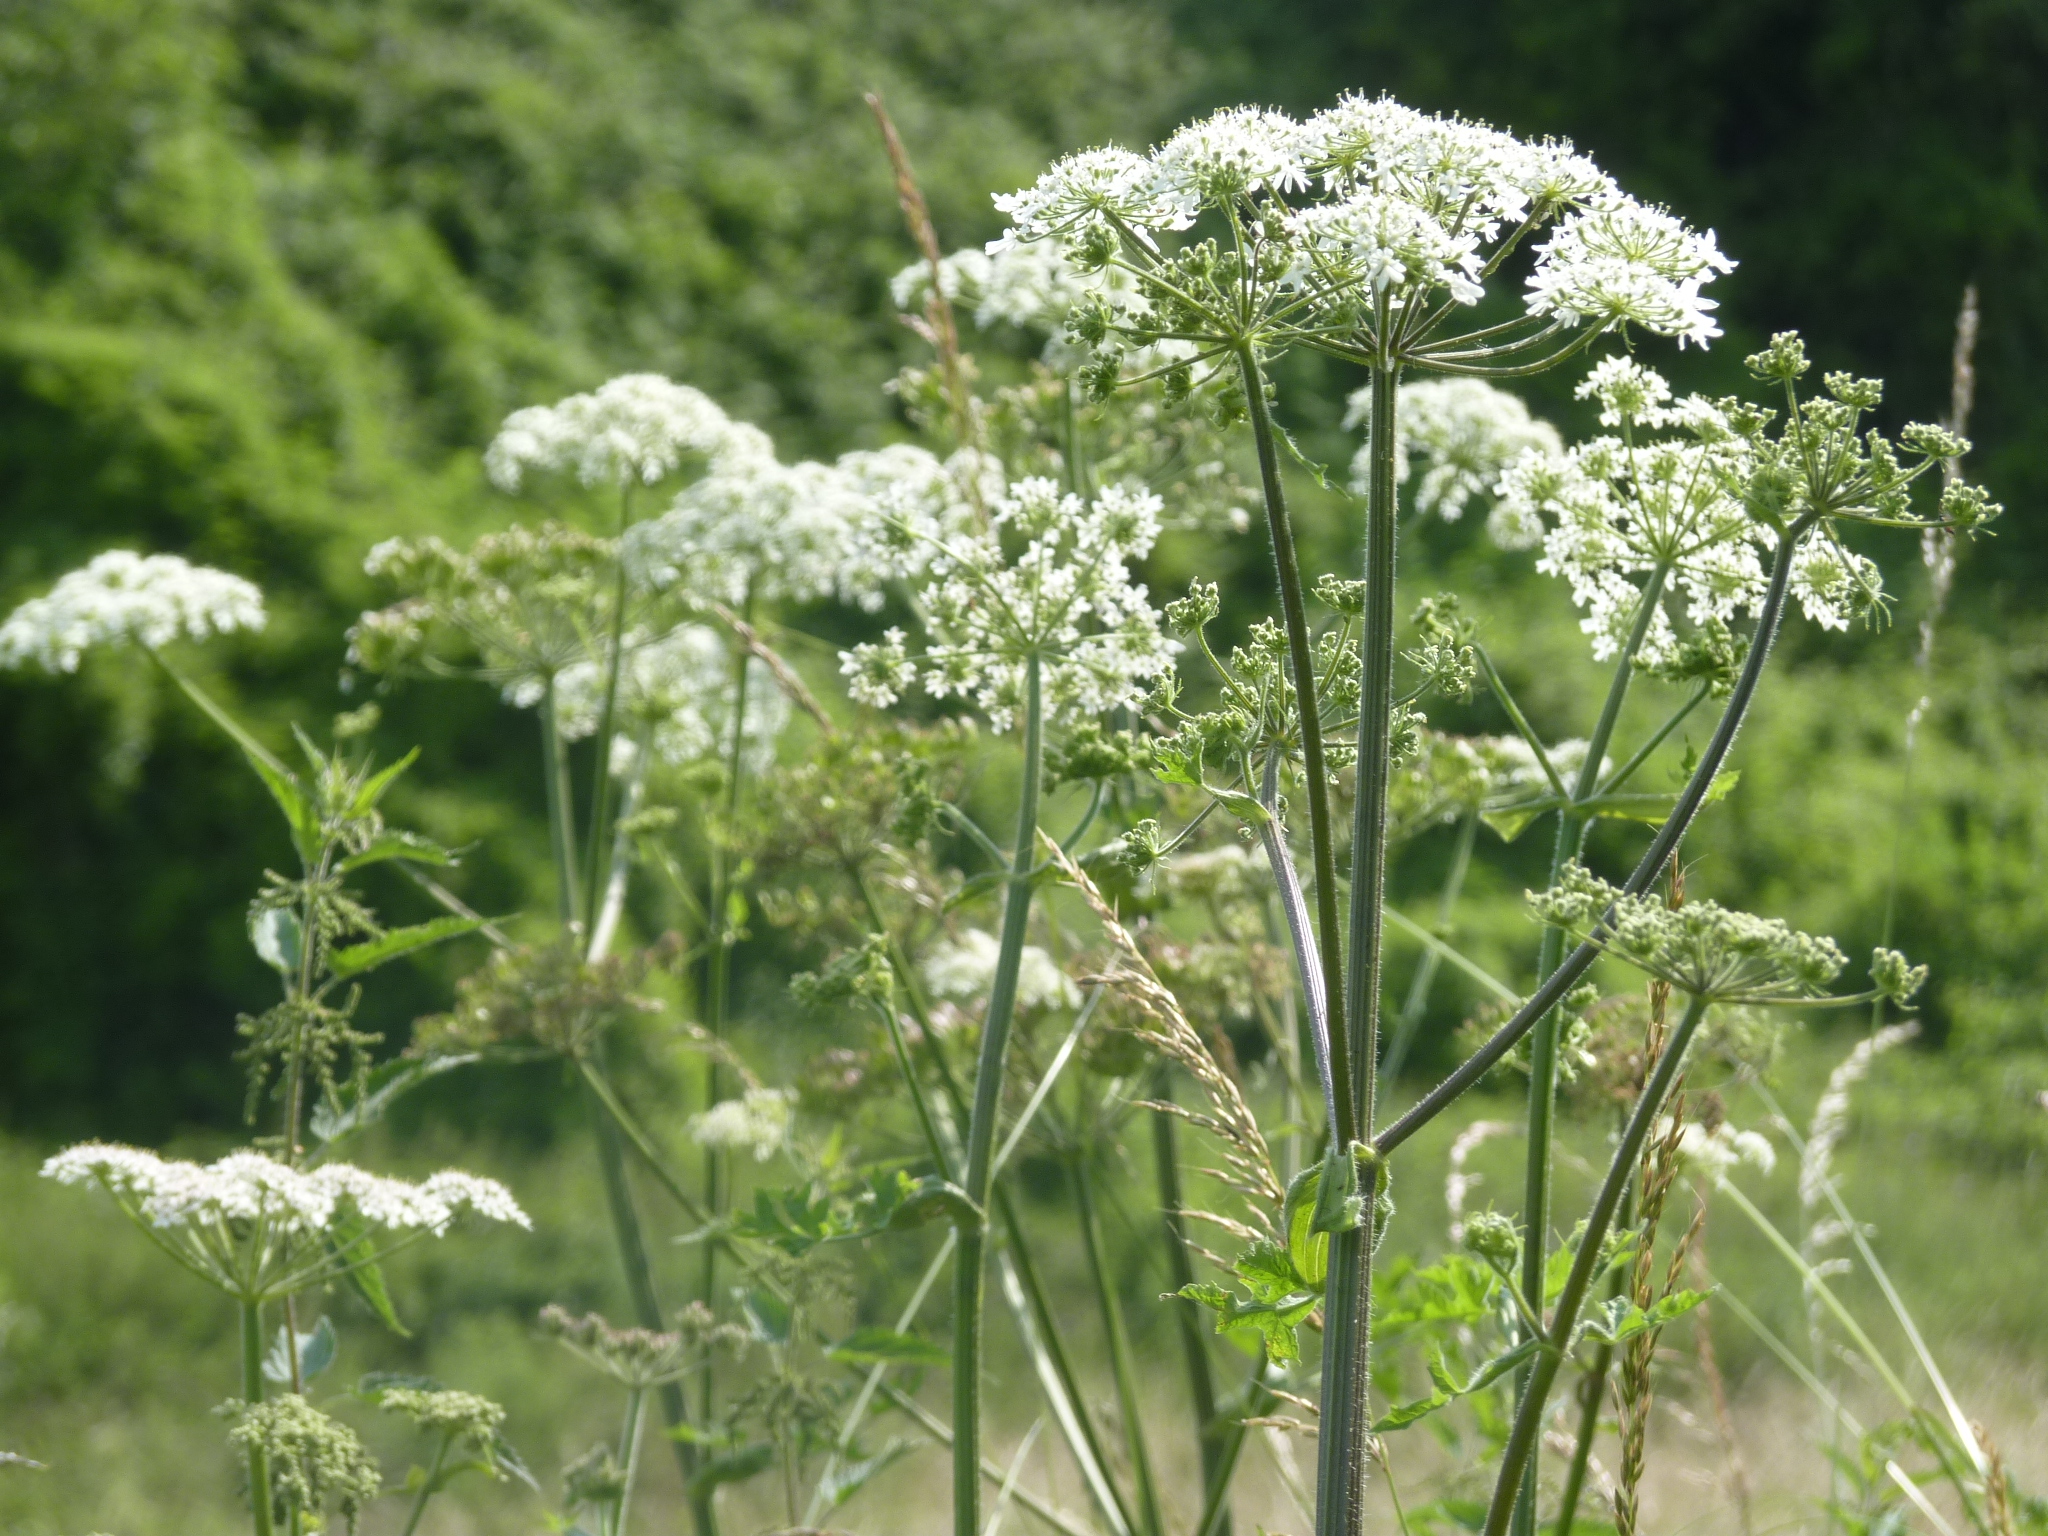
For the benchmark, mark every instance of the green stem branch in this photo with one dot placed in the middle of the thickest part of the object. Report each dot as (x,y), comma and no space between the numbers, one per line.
(252,1394)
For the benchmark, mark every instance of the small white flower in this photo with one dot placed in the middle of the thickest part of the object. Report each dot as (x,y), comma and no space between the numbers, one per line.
(122,598)
(639,427)
(1465,432)
(676,694)
(757,1122)
(1620,261)
(1093,194)
(1717,1153)
(965,971)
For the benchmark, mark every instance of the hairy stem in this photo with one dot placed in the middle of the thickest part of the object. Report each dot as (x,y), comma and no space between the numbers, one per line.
(970,1267)
(252,1394)
(1690,799)
(1594,1390)
(1308,964)
(1180,1269)
(1409,1020)
(1585,1265)
(1315,772)
(1122,1369)
(1342,1445)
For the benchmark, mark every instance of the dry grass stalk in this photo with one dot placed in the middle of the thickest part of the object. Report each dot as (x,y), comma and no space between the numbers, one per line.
(1230,1121)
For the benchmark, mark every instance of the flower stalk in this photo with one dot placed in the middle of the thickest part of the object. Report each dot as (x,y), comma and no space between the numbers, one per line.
(970,1269)
(252,1394)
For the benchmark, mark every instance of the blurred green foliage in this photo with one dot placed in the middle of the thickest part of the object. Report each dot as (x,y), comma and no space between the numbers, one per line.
(272,270)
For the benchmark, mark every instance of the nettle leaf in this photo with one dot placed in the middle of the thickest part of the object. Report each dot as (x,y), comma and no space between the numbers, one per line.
(1618,1320)
(372,788)
(734,1467)
(316,1351)
(1268,1272)
(849,1477)
(393,844)
(1449,1389)
(279,939)
(359,958)
(885,1346)
(382,1087)
(349,1238)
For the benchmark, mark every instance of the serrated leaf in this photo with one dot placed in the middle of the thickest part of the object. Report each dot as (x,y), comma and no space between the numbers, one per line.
(885,1346)
(394,844)
(1268,1272)
(277,934)
(848,1478)
(1175,761)
(349,1238)
(736,1467)
(382,1087)
(1449,1389)
(372,789)
(1618,1320)
(1308,1249)
(316,1353)
(358,958)
(278,779)
(1654,809)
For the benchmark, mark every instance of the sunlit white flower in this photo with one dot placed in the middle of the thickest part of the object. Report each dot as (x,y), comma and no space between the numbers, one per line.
(675,698)
(1620,261)
(965,970)
(757,529)
(1612,510)
(757,1122)
(122,598)
(639,427)
(1065,598)
(1465,432)
(1240,151)
(1833,584)
(1093,195)
(257,1227)
(1717,1153)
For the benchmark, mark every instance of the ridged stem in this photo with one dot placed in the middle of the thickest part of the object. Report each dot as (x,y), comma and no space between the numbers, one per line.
(970,1268)
(1585,1266)
(252,1394)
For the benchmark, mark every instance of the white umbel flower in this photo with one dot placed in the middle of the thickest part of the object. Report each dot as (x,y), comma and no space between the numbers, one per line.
(757,1122)
(1717,1153)
(639,427)
(258,1228)
(1621,262)
(1464,432)
(122,598)
(1066,598)
(965,970)
(676,694)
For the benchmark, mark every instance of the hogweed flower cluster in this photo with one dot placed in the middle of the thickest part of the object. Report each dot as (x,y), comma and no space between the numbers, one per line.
(676,694)
(122,598)
(1065,600)
(258,1228)
(639,427)
(757,1122)
(1464,433)
(313,1460)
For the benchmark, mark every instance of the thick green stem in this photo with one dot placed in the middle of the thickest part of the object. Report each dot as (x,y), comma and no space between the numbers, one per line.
(1315,771)
(1571,826)
(1593,1390)
(1122,1369)
(429,1484)
(970,1270)
(252,1394)
(561,835)
(1543,1044)
(1585,1266)
(629,1453)
(1409,1020)
(1342,1454)
(607,720)
(1180,1269)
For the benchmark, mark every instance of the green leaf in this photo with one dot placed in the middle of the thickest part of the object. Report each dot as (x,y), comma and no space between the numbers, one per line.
(1274,1321)
(1178,761)
(768,1315)
(1653,809)
(393,844)
(277,935)
(1449,1389)
(1339,1206)
(885,1346)
(349,1237)
(316,1353)
(358,958)
(382,1087)
(849,1477)
(736,1467)
(1244,807)
(278,779)
(1307,1248)
(1618,1320)
(1509,822)
(1459,1289)
(1268,1272)
(373,787)
(932,1197)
